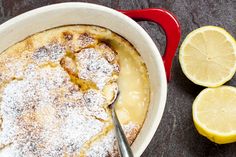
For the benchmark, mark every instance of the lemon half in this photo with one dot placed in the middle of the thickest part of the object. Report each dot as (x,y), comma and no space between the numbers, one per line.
(208,56)
(214,114)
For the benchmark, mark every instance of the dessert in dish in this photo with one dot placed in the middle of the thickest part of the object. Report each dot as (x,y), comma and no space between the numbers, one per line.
(55,87)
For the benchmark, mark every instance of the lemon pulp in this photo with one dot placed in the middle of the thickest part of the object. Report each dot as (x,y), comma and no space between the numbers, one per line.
(214,114)
(208,56)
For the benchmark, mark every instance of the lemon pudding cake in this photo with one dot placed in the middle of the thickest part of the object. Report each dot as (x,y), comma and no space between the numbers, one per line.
(55,88)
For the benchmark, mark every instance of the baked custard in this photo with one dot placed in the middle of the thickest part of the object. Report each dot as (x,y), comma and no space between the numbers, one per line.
(55,88)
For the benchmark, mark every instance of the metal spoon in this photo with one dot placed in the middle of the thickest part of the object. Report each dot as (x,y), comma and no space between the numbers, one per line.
(123,145)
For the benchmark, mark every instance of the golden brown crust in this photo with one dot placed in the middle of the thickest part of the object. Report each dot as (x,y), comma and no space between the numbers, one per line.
(62,49)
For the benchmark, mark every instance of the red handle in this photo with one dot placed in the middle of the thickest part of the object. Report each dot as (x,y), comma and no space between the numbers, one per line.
(169,24)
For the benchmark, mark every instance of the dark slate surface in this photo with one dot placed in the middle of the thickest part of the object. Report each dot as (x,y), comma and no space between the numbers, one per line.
(176,135)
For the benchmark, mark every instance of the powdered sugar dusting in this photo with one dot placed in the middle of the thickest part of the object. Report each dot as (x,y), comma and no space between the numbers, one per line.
(85,40)
(7,152)
(102,147)
(52,53)
(45,114)
(15,69)
(94,67)
(38,120)
(94,103)
(108,53)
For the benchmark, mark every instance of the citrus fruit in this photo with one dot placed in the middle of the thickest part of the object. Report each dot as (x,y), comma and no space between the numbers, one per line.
(214,114)
(208,56)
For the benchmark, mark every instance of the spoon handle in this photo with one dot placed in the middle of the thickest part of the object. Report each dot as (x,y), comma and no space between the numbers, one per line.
(123,145)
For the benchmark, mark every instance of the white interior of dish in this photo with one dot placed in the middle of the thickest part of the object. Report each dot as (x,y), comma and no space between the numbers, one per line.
(47,17)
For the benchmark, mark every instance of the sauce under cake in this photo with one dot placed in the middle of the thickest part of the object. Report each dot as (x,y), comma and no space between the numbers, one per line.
(55,87)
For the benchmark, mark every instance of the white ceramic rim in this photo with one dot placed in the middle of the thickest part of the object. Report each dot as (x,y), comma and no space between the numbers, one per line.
(8,26)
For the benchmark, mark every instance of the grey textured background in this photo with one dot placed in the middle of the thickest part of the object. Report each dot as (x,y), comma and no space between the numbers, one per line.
(176,135)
